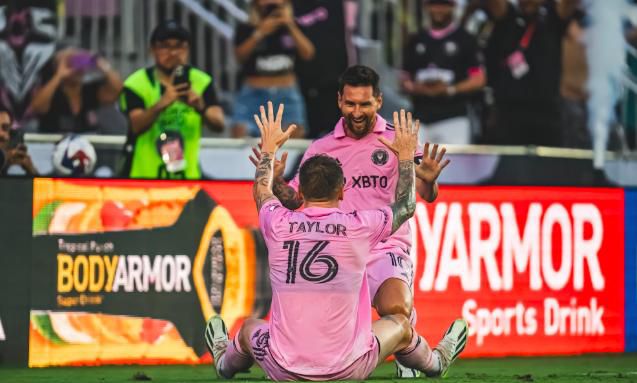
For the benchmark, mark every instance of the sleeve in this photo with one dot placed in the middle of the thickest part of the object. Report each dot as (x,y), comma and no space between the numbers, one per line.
(294,182)
(242,33)
(418,155)
(377,223)
(129,101)
(270,215)
(210,95)
(408,56)
(473,57)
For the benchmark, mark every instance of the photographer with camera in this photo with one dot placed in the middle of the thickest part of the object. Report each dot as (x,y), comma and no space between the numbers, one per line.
(166,105)
(12,148)
(77,84)
(268,47)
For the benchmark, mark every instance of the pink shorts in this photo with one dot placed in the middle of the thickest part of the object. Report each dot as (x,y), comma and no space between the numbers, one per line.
(260,342)
(385,264)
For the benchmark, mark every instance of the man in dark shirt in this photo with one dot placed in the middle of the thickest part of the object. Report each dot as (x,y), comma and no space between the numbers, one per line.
(523,57)
(324,24)
(442,68)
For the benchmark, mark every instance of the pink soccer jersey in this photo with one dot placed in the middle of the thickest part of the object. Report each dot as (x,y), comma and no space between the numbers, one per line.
(320,320)
(371,173)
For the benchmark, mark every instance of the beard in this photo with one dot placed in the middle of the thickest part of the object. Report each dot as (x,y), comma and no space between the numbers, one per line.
(442,22)
(165,70)
(359,127)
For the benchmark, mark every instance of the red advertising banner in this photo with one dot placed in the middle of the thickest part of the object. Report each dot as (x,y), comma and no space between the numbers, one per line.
(533,270)
(128,271)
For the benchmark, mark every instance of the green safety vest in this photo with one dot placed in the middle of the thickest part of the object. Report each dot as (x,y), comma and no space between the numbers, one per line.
(146,161)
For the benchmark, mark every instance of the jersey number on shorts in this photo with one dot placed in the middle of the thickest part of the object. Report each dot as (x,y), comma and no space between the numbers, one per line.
(313,256)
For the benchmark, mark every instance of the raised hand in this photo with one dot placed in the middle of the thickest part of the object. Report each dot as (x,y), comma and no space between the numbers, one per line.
(272,136)
(64,69)
(432,164)
(406,138)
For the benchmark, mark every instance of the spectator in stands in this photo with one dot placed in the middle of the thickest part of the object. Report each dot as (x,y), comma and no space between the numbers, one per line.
(12,148)
(323,22)
(574,86)
(629,104)
(268,47)
(77,86)
(523,60)
(442,70)
(167,104)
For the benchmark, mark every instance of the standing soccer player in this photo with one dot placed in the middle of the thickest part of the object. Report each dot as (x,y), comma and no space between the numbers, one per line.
(320,326)
(371,174)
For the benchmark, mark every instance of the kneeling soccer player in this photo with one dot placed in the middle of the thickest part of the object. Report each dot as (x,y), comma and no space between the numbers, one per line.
(320,326)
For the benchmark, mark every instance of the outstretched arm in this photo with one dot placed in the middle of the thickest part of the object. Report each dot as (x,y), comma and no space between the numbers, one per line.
(262,190)
(272,137)
(428,171)
(285,193)
(405,198)
(404,146)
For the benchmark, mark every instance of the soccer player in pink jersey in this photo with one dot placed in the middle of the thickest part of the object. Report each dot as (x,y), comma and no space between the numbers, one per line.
(320,326)
(371,174)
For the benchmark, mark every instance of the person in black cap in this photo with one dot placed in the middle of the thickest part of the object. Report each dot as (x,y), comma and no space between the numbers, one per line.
(167,104)
(442,70)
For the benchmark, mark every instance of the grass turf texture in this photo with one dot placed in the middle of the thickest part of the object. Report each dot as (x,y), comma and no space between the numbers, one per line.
(589,368)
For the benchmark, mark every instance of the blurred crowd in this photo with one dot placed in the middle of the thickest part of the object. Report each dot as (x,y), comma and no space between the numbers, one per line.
(477,72)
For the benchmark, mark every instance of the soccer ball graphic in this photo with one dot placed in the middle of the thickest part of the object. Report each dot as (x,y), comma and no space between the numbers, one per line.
(74,156)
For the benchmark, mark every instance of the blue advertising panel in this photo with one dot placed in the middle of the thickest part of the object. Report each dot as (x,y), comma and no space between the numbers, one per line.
(631,269)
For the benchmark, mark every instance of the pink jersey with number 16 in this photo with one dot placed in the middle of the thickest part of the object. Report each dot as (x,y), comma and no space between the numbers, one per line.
(321,310)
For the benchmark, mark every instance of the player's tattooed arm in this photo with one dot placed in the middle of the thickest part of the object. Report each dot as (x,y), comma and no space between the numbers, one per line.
(286,194)
(272,137)
(262,189)
(404,146)
(405,198)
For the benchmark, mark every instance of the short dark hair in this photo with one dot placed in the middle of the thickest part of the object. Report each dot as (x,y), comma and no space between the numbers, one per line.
(320,178)
(359,75)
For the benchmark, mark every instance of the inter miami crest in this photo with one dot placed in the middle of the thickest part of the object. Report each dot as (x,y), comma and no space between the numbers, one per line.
(380,157)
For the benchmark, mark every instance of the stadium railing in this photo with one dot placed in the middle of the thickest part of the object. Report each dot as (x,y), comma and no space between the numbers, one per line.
(472,164)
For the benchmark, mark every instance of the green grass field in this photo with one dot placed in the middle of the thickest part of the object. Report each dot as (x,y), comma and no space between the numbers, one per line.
(589,368)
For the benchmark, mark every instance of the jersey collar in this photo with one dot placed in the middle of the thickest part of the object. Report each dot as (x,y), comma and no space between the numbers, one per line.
(440,34)
(379,127)
(320,211)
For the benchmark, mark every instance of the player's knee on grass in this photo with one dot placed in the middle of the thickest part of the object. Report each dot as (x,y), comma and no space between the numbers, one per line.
(393,333)
(393,297)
